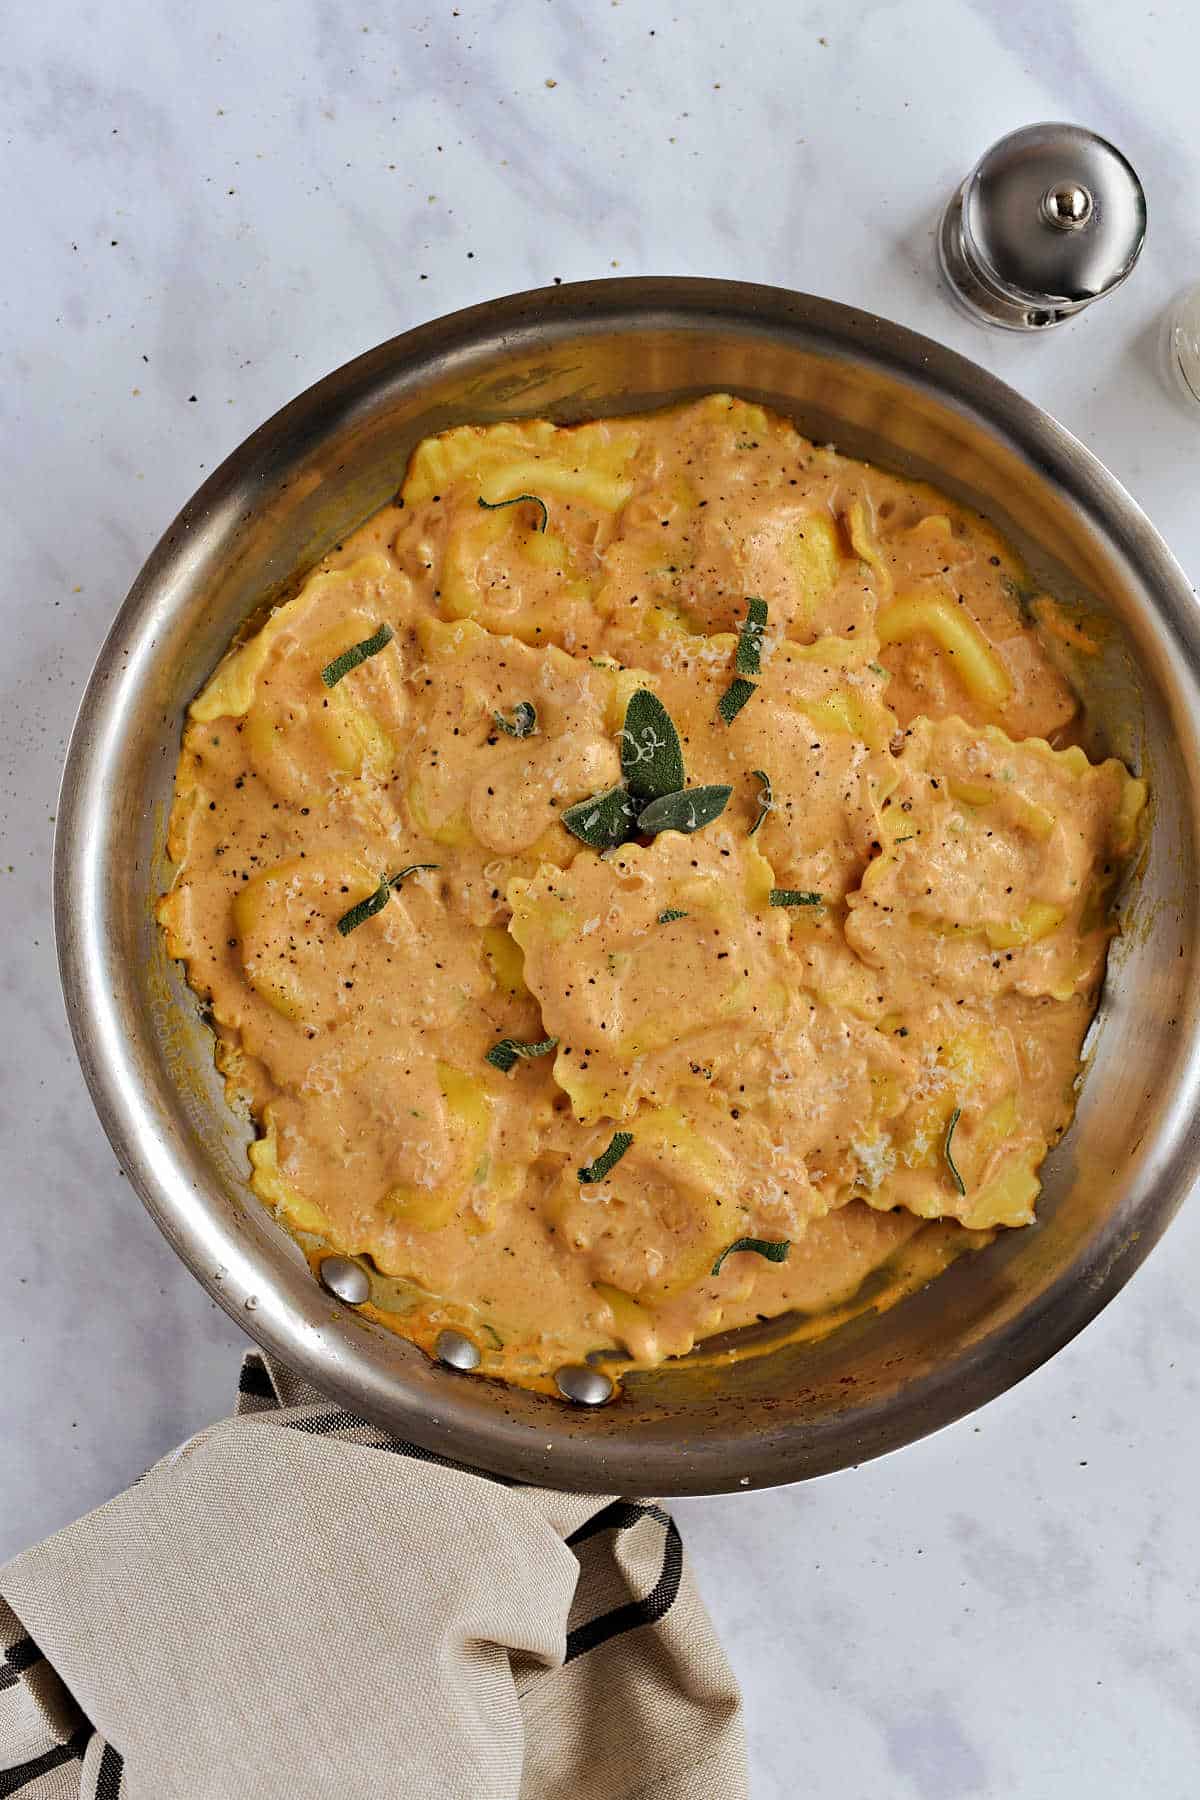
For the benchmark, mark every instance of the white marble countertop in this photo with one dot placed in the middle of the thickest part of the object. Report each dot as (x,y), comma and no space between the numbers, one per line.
(210,207)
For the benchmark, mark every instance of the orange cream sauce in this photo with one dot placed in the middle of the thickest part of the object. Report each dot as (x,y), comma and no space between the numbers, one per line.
(902,1046)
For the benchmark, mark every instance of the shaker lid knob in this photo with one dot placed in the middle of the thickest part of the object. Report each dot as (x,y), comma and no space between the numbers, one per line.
(1051,218)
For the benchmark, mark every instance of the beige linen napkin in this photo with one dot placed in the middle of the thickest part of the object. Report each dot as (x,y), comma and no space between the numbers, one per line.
(294,1604)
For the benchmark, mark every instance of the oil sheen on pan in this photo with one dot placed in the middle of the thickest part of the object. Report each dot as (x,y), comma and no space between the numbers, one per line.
(643,877)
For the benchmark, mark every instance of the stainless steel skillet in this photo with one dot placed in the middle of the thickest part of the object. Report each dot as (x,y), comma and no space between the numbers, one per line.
(322,465)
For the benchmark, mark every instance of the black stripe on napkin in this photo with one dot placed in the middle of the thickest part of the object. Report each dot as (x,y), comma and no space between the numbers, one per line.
(13,1780)
(656,1604)
(108,1781)
(23,1654)
(17,1658)
(255,1381)
(619,1515)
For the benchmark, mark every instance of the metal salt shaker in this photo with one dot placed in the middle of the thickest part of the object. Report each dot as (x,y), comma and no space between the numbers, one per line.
(1050,219)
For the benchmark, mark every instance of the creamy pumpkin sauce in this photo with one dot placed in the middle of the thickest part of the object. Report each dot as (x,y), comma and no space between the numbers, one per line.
(849,1002)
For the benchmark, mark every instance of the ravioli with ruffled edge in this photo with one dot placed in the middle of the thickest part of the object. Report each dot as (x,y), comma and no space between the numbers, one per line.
(643,877)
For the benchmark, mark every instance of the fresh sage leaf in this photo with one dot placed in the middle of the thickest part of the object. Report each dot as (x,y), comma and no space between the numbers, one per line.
(604,821)
(734,698)
(341,665)
(651,755)
(748,660)
(517,500)
(775,1250)
(505,1055)
(608,1159)
(366,909)
(959,1183)
(523,723)
(685,811)
(766,802)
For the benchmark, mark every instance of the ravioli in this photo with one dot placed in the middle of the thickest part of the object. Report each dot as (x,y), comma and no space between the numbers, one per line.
(470,780)
(610,946)
(996,862)
(643,881)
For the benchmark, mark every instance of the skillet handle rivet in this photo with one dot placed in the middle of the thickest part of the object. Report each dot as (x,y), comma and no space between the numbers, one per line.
(586,1387)
(345,1279)
(456,1350)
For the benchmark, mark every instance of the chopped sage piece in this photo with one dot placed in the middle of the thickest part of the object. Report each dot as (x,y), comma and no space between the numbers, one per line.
(748,660)
(672,912)
(341,665)
(608,1159)
(366,909)
(766,802)
(959,1183)
(687,810)
(651,755)
(604,821)
(734,698)
(497,505)
(505,1054)
(523,723)
(794,897)
(775,1250)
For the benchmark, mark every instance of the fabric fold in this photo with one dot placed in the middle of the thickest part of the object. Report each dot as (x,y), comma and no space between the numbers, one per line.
(293,1603)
